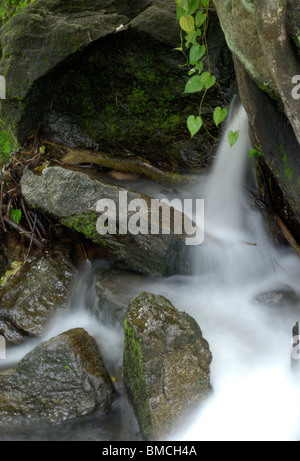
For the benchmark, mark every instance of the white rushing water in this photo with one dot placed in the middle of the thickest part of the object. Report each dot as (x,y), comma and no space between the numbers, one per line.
(255,395)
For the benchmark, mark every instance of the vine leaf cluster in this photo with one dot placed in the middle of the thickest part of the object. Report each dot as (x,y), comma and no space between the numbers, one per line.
(193,19)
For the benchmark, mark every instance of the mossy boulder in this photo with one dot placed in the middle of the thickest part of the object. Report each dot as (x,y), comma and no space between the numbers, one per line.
(166,365)
(77,77)
(60,380)
(29,301)
(71,197)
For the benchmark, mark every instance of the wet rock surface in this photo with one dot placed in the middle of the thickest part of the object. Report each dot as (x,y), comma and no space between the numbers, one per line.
(280,298)
(87,82)
(30,300)
(61,379)
(71,197)
(166,364)
(115,289)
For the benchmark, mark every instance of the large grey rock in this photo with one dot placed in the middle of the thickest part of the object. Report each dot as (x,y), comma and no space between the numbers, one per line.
(72,196)
(30,300)
(78,78)
(166,364)
(257,34)
(61,379)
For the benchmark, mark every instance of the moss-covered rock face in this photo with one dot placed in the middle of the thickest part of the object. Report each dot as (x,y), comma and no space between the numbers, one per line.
(101,86)
(9,8)
(259,37)
(61,379)
(7,145)
(166,364)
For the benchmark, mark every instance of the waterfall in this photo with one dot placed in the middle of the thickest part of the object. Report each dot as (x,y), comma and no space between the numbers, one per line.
(255,396)
(236,246)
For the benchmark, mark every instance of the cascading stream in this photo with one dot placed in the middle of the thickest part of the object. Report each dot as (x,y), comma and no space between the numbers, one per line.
(255,396)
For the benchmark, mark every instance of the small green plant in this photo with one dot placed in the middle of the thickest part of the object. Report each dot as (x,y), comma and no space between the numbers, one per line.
(11,8)
(16,215)
(11,273)
(255,152)
(5,147)
(233,137)
(193,19)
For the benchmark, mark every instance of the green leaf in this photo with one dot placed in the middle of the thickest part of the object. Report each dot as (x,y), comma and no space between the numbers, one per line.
(194,84)
(233,137)
(182,4)
(194,124)
(200,18)
(14,269)
(193,5)
(180,12)
(205,3)
(208,80)
(187,24)
(196,53)
(199,67)
(16,215)
(192,37)
(219,115)
(254,152)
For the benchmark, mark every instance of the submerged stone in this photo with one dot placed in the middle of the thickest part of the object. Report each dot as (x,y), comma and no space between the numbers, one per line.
(166,364)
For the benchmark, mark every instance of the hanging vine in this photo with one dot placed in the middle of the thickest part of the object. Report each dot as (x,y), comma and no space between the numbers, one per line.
(193,19)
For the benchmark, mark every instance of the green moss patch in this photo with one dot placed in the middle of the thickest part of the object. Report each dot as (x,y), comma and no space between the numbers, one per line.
(134,370)
(9,8)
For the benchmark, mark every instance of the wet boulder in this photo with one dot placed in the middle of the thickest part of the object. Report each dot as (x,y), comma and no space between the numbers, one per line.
(29,301)
(72,197)
(166,364)
(61,379)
